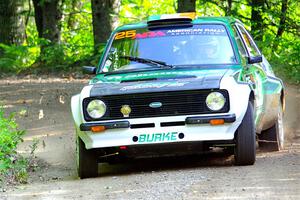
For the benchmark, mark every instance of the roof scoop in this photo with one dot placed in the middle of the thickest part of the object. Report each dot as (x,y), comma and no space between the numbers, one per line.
(169,19)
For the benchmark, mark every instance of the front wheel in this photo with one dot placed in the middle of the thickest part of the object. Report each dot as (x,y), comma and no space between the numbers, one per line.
(87,163)
(245,147)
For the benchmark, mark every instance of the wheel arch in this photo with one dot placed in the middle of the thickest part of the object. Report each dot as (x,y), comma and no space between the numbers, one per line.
(252,97)
(75,109)
(282,99)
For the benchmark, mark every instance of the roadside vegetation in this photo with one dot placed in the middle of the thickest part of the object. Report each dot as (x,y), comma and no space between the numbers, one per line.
(14,167)
(77,30)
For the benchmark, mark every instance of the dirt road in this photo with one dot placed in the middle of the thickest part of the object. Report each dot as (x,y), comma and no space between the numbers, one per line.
(44,111)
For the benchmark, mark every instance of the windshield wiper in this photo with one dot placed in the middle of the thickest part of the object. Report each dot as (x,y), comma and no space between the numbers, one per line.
(148,61)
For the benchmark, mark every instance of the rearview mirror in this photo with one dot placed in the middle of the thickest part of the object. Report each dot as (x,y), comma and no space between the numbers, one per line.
(89,69)
(255,59)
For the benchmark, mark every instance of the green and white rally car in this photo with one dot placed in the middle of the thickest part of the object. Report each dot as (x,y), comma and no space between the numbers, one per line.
(177,85)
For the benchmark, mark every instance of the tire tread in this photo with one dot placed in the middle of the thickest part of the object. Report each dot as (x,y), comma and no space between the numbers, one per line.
(245,149)
(87,163)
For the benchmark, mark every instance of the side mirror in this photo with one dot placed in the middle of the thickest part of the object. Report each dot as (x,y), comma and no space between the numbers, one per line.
(256,59)
(89,69)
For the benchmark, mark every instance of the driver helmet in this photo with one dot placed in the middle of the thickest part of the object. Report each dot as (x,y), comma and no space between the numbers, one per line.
(210,46)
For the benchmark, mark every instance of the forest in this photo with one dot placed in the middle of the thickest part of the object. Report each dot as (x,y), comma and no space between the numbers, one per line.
(51,36)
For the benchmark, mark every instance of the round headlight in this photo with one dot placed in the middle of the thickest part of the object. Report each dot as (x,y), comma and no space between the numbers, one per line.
(96,109)
(215,101)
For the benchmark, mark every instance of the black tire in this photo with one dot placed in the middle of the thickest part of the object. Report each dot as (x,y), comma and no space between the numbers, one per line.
(272,139)
(245,147)
(87,161)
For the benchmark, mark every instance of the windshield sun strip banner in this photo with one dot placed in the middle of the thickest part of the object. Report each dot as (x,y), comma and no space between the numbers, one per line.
(216,30)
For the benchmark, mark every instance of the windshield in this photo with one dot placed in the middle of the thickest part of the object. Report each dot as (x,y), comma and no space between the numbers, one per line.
(174,46)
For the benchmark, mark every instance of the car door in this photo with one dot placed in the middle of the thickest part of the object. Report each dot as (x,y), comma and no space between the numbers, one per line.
(254,74)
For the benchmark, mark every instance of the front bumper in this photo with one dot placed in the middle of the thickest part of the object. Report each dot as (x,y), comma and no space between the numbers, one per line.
(159,130)
(189,120)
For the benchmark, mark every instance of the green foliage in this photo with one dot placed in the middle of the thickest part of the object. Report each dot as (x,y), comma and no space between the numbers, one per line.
(76,44)
(17,58)
(285,60)
(12,166)
(53,55)
(133,10)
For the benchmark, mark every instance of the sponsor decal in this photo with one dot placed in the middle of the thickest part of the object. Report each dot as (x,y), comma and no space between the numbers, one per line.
(150,34)
(196,30)
(165,74)
(133,35)
(153,85)
(157,137)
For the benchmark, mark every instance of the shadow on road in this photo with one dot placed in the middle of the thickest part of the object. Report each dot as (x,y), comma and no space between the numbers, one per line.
(211,159)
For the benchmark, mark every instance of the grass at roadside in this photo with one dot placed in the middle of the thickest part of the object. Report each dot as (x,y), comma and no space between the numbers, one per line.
(13,167)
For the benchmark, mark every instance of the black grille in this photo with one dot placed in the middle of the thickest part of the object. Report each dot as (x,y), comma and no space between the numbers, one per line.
(173,104)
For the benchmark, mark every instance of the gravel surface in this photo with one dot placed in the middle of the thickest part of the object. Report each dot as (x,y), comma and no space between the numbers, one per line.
(43,109)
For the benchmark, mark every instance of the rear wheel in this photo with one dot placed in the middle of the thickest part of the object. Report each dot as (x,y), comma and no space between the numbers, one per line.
(245,147)
(87,163)
(272,139)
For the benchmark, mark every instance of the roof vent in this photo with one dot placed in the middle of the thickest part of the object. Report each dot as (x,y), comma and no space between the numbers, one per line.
(169,19)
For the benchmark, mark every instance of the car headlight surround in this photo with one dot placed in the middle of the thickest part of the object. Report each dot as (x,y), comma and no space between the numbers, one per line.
(96,109)
(215,101)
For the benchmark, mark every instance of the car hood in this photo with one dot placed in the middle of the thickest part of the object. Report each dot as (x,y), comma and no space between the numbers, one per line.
(156,81)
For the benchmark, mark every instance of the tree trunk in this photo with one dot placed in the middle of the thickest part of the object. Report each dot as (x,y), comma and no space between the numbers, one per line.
(281,26)
(105,14)
(51,21)
(76,6)
(11,22)
(284,7)
(186,6)
(256,19)
(38,16)
(229,6)
(47,19)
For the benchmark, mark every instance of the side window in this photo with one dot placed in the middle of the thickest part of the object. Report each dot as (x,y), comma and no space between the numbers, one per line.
(266,65)
(248,41)
(239,42)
